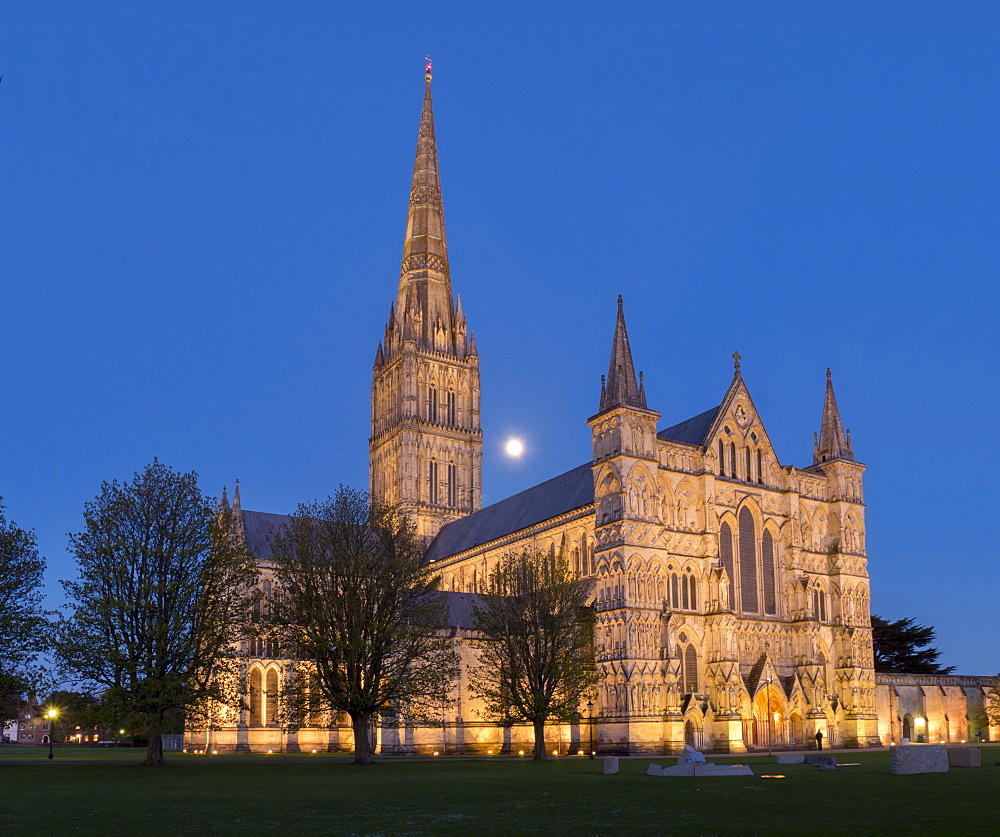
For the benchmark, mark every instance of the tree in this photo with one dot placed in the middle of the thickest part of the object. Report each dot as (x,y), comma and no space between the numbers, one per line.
(992,707)
(355,603)
(905,647)
(23,626)
(535,643)
(162,598)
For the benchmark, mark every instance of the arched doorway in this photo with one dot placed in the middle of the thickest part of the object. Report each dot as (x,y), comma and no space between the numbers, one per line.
(693,734)
(797,730)
(767,728)
(908,728)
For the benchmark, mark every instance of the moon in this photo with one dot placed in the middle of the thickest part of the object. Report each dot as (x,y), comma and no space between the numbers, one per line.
(514,447)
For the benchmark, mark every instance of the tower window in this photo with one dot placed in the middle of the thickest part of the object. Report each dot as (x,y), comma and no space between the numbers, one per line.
(452,485)
(432,405)
(432,479)
(450,418)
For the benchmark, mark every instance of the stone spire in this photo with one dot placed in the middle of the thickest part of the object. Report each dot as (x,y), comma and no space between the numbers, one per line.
(424,298)
(621,387)
(834,442)
(425,451)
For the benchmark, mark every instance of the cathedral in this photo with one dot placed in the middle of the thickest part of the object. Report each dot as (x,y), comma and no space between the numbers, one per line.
(731,591)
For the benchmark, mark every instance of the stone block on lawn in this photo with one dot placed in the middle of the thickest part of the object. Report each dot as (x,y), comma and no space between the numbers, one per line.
(918,758)
(611,764)
(964,757)
(689,755)
(791,758)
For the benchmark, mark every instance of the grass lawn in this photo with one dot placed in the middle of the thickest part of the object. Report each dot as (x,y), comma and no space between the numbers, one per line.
(477,796)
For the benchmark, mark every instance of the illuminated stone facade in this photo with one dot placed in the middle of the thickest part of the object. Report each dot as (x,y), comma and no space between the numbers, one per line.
(731,591)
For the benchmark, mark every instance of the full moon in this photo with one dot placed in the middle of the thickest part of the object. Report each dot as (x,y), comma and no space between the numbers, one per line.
(514,447)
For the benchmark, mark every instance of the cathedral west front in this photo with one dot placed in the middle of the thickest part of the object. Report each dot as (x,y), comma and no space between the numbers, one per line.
(730,590)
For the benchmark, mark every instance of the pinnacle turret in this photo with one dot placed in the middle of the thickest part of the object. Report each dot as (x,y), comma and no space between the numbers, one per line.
(834,442)
(621,387)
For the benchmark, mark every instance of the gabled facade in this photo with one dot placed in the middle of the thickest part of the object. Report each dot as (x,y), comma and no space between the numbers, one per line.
(731,591)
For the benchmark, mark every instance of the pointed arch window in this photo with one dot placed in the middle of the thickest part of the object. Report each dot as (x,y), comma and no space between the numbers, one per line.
(722,458)
(452,485)
(760,470)
(748,562)
(732,459)
(749,471)
(256,703)
(432,480)
(726,555)
(690,670)
(819,605)
(432,405)
(271,698)
(767,573)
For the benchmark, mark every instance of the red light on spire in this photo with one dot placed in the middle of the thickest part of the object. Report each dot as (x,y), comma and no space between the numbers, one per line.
(430,64)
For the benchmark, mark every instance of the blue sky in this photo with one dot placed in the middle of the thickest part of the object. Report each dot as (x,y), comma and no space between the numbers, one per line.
(201,233)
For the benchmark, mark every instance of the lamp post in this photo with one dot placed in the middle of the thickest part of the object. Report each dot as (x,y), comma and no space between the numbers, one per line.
(769,740)
(590,725)
(52,728)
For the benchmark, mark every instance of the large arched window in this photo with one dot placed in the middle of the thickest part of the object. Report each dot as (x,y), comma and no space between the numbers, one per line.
(690,669)
(256,702)
(748,563)
(726,555)
(767,573)
(271,698)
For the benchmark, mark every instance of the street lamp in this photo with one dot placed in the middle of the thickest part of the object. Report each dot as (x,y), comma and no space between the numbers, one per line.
(52,727)
(590,724)
(769,719)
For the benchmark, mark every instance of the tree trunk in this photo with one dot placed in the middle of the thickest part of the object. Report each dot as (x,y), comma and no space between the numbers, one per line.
(360,724)
(154,753)
(540,754)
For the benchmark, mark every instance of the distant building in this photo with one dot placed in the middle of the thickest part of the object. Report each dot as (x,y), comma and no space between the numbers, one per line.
(32,725)
(731,590)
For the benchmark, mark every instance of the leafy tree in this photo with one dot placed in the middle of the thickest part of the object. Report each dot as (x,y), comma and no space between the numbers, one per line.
(905,647)
(23,625)
(993,703)
(163,594)
(535,638)
(355,601)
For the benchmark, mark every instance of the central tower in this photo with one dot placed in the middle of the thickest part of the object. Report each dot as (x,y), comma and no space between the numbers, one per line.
(425,451)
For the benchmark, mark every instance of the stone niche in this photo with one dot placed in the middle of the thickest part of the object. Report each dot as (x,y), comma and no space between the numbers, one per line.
(918,758)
